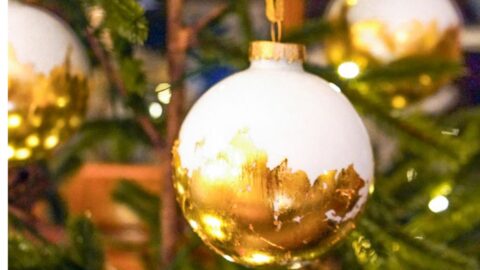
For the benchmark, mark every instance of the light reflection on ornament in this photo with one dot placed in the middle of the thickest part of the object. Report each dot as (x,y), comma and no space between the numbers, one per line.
(193,224)
(335,87)
(50,142)
(11,152)
(348,70)
(14,120)
(438,204)
(32,140)
(296,265)
(228,258)
(62,102)
(214,226)
(352,2)
(10,106)
(22,153)
(258,258)
(281,202)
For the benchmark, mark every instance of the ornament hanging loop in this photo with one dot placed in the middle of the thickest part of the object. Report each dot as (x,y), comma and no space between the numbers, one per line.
(275,12)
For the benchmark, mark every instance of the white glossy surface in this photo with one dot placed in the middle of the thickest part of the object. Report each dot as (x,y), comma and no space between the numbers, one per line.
(288,113)
(41,39)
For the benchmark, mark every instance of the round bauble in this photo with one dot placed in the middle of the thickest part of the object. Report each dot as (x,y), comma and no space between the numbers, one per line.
(48,87)
(272,165)
(376,33)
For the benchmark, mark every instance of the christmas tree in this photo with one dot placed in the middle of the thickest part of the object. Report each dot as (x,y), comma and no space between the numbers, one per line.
(104,198)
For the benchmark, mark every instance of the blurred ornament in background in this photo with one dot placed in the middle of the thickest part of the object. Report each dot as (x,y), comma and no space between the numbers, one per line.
(47,82)
(272,165)
(376,33)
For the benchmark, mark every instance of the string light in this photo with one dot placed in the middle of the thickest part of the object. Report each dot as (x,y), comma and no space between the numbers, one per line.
(399,102)
(348,70)
(164,93)
(11,152)
(438,204)
(155,110)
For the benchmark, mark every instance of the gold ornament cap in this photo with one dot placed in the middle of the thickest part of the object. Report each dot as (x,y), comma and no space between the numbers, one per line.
(270,50)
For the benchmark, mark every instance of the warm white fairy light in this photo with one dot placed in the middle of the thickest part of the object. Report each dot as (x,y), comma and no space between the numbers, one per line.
(438,204)
(164,94)
(348,70)
(155,110)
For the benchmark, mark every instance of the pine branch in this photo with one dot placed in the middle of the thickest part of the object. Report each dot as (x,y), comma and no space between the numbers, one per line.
(313,31)
(146,206)
(415,134)
(461,217)
(25,254)
(203,22)
(241,8)
(410,69)
(117,81)
(85,247)
(411,252)
(124,18)
(143,203)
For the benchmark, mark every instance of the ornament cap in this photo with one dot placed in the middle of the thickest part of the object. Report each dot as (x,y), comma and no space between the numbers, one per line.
(269,50)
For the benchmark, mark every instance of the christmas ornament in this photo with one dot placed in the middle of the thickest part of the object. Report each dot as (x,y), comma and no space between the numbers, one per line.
(47,78)
(370,33)
(272,165)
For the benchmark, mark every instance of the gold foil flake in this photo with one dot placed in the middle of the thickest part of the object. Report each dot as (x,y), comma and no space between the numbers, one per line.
(261,216)
(41,105)
(412,38)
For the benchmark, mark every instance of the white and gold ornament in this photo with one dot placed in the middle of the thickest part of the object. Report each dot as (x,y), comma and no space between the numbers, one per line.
(272,165)
(373,33)
(48,85)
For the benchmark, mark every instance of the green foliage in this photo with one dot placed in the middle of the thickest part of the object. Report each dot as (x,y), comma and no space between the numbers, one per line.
(120,137)
(24,254)
(132,74)
(312,32)
(83,251)
(143,203)
(124,18)
(85,247)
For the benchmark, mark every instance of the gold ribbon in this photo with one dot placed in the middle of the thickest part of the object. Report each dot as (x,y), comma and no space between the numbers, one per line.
(275,11)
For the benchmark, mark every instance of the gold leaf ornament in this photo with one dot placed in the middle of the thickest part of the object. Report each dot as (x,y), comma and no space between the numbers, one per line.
(258,215)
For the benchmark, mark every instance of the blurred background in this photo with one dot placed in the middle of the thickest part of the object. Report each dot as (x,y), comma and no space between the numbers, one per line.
(108,171)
